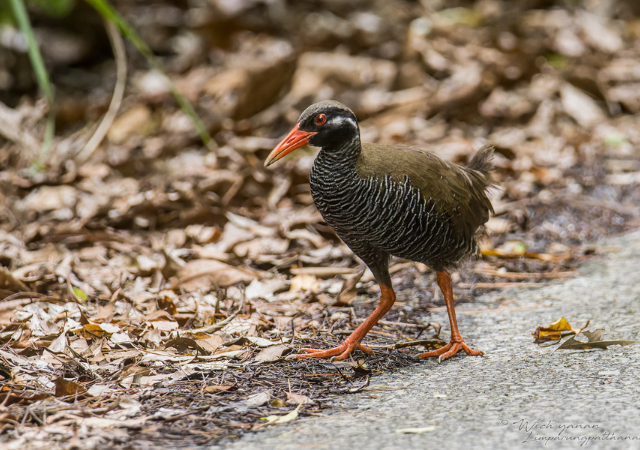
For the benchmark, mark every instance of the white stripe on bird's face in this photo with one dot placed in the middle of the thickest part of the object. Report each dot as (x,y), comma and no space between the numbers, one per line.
(339,120)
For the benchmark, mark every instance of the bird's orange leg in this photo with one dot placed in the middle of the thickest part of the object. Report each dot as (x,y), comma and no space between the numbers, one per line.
(456,343)
(387,299)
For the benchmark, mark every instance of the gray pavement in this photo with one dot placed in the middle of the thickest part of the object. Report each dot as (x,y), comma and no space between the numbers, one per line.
(519,395)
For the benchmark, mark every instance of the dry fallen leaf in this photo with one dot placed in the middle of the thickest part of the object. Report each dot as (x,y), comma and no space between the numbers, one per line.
(207,273)
(258,399)
(66,387)
(166,304)
(91,330)
(213,388)
(10,398)
(272,353)
(210,344)
(59,344)
(554,331)
(164,325)
(305,282)
(298,399)
(293,415)
(184,345)
(593,342)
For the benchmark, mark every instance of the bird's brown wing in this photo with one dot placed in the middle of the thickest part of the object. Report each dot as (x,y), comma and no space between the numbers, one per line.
(459,191)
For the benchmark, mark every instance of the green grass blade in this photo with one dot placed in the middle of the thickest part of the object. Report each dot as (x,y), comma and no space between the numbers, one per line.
(21,16)
(108,12)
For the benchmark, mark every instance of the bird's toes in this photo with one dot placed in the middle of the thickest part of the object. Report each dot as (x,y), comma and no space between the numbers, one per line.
(317,353)
(454,349)
(438,352)
(365,349)
(344,355)
(472,352)
(313,350)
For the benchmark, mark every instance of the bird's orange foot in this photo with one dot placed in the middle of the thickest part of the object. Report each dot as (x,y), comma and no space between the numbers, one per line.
(453,347)
(341,352)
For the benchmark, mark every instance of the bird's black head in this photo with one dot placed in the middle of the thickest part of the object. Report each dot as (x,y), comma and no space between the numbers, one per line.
(328,124)
(333,123)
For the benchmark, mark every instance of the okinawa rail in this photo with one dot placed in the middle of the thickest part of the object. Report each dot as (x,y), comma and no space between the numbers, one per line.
(384,200)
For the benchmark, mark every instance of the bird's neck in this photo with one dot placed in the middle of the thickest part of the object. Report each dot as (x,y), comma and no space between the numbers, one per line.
(340,157)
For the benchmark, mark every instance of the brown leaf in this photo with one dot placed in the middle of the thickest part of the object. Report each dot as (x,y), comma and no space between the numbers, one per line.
(594,341)
(165,325)
(183,345)
(207,273)
(83,319)
(594,336)
(166,304)
(104,312)
(272,353)
(9,398)
(59,344)
(553,332)
(160,315)
(298,399)
(135,370)
(91,331)
(66,387)
(230,348)
(258,399)
(213,388)
(261,246)
(210,344)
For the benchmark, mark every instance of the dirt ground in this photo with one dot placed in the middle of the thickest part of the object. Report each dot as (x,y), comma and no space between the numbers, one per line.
(152,286)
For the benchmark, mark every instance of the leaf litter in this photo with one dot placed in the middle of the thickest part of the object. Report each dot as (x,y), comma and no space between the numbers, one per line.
(156,291)
(561,328)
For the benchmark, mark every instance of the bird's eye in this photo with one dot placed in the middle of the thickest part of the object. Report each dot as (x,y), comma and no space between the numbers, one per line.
(320,119)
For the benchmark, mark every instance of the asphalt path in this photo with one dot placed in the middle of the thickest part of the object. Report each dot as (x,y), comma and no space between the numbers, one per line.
(518,396)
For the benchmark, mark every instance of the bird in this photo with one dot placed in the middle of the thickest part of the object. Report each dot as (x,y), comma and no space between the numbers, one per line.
(388,200)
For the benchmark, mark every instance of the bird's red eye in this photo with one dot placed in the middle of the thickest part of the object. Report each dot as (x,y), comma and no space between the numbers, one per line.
(320,119)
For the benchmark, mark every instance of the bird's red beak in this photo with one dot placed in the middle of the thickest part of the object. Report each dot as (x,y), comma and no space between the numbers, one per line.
(295,139)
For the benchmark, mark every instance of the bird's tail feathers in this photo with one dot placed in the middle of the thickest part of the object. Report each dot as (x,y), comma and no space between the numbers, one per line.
(479,172)
(482,160)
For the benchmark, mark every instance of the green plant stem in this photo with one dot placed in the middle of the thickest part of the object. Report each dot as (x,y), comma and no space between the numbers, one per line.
(20,13)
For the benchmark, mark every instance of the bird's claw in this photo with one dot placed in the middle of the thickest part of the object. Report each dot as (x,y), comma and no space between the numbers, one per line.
(337,353)
(451,349)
